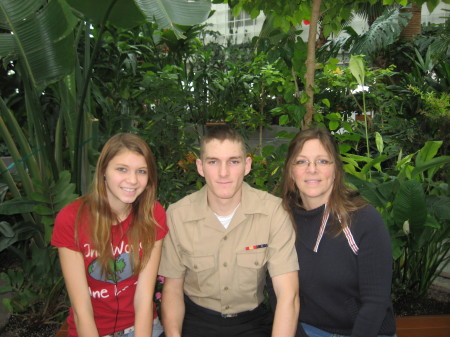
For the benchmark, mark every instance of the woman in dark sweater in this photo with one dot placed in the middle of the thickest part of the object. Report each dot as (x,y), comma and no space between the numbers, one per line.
(343,246)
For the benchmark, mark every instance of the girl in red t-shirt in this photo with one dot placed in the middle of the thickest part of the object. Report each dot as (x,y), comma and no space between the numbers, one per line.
(109,243)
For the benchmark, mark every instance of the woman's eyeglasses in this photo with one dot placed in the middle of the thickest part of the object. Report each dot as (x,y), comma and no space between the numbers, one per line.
(319,163)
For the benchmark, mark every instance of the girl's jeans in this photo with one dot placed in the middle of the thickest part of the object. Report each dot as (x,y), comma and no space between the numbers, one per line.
(157,329)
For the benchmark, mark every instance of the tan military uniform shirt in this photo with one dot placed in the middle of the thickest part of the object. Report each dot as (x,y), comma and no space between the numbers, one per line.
(224,269)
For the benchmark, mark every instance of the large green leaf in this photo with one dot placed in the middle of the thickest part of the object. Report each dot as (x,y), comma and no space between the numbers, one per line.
(17,10)
(42,38)
(373,163)
(433,163)
(124,14)
(6,230)
(427,152)
(409,204)
(128,13)
(387,189)
(166,13)
(356,66)
(375,194)
(17,206)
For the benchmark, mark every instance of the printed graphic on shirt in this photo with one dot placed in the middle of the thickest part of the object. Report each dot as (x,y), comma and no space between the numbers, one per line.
(120,269)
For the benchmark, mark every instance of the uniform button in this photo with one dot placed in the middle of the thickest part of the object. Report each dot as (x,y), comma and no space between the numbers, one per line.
(256,263)
(225,237)
(195,266)
(225,264)
(227,307)
(226,288)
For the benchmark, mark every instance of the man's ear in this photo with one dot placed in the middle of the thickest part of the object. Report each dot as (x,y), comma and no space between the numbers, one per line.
(199,164)
(248,164)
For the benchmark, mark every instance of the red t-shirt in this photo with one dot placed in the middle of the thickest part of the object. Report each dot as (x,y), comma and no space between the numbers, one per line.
(112,294)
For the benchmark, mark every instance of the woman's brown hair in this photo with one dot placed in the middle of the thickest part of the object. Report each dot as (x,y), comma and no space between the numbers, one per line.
(142,230)
(343,199)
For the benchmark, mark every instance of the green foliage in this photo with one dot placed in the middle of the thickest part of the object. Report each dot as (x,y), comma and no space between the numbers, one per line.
(423,82)
(342,101)
(43,203)
(434,107)
(267,167)
(35,284)
(384,32)
(36,287)
(416,210)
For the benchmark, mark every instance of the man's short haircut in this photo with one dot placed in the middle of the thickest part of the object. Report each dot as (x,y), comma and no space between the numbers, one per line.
(222,133)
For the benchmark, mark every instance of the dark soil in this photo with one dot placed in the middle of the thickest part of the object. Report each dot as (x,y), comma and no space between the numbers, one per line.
(18,326)
(437,303)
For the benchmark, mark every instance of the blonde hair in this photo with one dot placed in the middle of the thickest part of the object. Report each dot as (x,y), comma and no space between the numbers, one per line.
(142,230)
(343,199)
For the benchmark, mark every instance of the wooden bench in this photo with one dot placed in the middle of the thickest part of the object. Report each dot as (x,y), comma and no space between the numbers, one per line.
(423,326)
(62,332)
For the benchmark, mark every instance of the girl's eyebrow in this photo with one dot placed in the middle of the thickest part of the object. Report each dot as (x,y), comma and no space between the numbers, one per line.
(126,165)
(229,158)
(319,155)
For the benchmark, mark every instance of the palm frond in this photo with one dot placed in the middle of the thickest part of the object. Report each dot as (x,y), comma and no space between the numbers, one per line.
(384,31)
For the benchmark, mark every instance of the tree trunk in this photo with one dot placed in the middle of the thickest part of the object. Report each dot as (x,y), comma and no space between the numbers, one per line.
(414,26)
(311,64)
(321,40)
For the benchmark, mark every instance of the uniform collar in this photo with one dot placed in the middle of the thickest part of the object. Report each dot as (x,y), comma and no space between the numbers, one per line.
(250,203)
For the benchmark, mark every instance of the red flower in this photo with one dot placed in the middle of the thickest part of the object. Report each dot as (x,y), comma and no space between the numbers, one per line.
(306,22)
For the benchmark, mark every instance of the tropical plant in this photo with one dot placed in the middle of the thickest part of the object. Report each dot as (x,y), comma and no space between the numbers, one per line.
(422,81)
(36,283)
(415,205)
(382,33)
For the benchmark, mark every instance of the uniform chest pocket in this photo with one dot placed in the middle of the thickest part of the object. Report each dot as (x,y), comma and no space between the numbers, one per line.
(199,269)
(251,269)
(198,263)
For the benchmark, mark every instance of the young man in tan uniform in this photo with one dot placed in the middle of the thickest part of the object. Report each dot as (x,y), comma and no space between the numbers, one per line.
(222,240)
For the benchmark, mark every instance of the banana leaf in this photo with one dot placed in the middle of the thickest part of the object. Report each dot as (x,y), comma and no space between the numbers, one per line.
(39,36)
(127,14)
